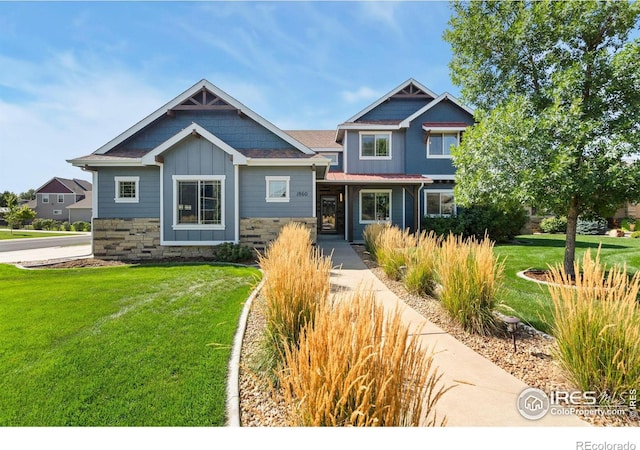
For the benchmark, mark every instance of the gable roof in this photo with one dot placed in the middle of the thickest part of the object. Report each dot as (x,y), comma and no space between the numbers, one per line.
(73,186)
(184,100)
(316,139)
(197,130)
(409,84)
(446,96)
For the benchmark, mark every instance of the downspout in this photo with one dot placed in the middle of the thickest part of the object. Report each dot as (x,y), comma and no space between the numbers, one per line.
(418,207)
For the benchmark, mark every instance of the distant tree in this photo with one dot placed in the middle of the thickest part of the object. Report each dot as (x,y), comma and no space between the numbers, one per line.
(8,199)
(18,215)
(557,91)
(29,195)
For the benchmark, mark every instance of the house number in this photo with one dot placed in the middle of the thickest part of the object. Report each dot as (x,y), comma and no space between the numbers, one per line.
(302,194)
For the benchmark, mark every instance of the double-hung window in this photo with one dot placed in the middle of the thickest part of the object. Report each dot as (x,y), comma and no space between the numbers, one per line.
(45,198)
(277,189)
(375,145)
(198,202)
(439,144)
(375,206)
(439,203)
(127,189)
(60,198)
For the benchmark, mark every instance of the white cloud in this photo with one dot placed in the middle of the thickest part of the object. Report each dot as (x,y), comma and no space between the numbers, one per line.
(361,94)
(382,12)
(62,108)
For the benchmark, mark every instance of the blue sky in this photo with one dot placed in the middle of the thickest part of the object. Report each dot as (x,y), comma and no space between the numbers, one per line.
(76,74)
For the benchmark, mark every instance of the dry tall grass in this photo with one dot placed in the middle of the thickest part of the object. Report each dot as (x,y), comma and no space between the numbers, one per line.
(393,246)
(597,326)
(297,281)
(370,234)
(470,275)
(354,366)
(420,275)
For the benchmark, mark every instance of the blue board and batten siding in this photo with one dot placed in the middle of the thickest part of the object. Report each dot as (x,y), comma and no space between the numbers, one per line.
(373,166)
(416,157)
(253,192)
(394,109)
(396,208)
(197,156)
(148,205)
(238,131)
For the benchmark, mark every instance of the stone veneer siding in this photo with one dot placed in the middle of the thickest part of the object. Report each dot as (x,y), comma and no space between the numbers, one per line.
(139,239)
(258,232)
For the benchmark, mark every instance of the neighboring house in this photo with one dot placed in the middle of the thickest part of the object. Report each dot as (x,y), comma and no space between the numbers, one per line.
(81,211)
(53,199)
(205,169)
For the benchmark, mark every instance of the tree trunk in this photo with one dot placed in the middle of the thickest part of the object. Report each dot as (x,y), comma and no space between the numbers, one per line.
(570,241)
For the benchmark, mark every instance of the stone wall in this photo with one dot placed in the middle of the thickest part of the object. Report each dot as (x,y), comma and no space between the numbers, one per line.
(139,239)
(258,232)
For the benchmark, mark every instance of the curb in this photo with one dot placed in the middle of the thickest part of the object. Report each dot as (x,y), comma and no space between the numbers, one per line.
(233,382)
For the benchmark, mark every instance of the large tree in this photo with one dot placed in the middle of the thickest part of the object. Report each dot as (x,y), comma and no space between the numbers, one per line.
(557,91)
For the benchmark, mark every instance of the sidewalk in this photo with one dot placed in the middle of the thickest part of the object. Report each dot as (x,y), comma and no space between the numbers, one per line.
(485,394)
(46,254)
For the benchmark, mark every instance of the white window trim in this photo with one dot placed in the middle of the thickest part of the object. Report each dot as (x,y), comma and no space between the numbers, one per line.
(439,191)
(328,154)
(375,158)
(118,180)
(195,226)
(57,212)
(60,196)
(45,198)
(376,191)
(430,156)
(268,180)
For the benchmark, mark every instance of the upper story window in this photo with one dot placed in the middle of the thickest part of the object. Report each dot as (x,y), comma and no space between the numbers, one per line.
(277,189)
(375,145)
(45,198)
(439,144)
(332,156)
(127,189)
(60,198)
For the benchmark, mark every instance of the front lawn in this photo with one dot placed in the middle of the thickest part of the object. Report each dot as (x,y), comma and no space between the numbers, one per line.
(531,301)
(22,234)
(119,346)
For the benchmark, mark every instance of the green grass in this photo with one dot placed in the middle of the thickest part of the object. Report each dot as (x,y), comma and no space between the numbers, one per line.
(530,301)
(22,234)
(120,346)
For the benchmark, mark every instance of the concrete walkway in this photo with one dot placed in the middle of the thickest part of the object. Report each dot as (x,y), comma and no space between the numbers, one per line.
(485,394)
(46,254)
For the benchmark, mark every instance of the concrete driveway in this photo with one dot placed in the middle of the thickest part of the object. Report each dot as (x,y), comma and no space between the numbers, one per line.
(44,249)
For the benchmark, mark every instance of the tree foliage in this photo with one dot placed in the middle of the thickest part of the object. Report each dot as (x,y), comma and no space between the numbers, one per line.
(18,215)
(557,91)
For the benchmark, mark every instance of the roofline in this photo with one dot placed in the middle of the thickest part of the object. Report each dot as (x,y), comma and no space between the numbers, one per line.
(184,96)
(288,162)
(193,129)
(445,96)
(59,181)
(123,162)
(389,94)
(366,182)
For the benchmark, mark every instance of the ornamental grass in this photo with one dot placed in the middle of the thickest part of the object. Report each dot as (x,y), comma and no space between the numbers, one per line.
(371,233)
(356,366)
(420,274)
(596,323)
(297,281)
(392,248)
(470,275)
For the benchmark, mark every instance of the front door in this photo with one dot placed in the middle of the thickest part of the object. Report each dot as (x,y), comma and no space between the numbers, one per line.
(328,209)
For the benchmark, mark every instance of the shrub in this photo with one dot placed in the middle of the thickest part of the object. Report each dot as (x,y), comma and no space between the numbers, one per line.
(470,276)
(420,275)
(370,234)
(233,253)
(635,234)
(81,226)
(501,225)
(393,246)
(592,226)
(66,226)
(554,225)
(297,280)
(629,224)
(597,326)
(37,224)
(358,366)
